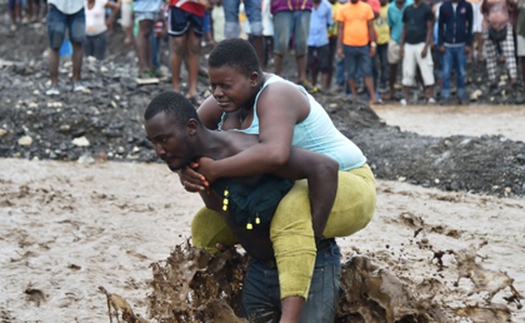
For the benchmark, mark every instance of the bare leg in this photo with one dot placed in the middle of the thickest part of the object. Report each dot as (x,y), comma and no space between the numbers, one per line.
(193,50)
(325,80)
(278,64)
(406,90)
(428,92)
(352,84)
(54,58)
(18,13)
(36,11)
(481,57)
(392,81)
(301,68)
(523,69)
(177,54)
(143,45)
(369,83)
(258,45)
(29,10)
(77,60)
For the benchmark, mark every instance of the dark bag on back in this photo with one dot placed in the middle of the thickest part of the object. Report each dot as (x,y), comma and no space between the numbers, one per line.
(252,206)
(497,35)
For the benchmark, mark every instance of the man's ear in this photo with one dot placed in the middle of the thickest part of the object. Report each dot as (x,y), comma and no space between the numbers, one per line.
(191,127)
(254,79)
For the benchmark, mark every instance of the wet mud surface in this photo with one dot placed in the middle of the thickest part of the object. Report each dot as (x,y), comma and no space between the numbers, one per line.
(433,272)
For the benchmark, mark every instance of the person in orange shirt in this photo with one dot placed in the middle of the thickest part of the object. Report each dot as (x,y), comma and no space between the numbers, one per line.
(356,43)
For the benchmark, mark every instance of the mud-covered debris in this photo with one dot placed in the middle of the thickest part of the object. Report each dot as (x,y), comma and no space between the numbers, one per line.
(486,282)
(35,295)
(195,286)
(119,304)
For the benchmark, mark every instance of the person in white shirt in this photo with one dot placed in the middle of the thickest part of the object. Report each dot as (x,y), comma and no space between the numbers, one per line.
(65,15)
(97,26)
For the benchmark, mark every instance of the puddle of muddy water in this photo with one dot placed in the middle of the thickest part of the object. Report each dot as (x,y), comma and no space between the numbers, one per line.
(444,121)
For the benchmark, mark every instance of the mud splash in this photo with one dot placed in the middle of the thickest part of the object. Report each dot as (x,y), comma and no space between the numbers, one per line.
(194,286)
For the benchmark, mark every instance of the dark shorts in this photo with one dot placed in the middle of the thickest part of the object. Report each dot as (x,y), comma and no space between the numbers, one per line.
(12,3)
(58,23)
(96,46)
(180,22)
(322,55)
(357,61)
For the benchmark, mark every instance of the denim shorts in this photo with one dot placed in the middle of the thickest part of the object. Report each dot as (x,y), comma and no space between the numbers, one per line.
(286,23)
(357,61)
(231,15)
(261,294)
(58,23)
(145,15)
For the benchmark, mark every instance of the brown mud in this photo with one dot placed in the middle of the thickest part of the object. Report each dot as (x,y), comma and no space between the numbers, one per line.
(70,228)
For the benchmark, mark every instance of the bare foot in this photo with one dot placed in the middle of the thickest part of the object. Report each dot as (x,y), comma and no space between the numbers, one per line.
(128,41)
(481,58)
(388,96)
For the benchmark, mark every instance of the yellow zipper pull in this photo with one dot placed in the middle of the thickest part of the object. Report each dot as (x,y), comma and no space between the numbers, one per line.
(249,226)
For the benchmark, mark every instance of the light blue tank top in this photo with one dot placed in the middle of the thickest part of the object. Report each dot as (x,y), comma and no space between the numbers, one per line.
(317,132)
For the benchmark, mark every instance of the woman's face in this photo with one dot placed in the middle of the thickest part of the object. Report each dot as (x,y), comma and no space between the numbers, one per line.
(231,89)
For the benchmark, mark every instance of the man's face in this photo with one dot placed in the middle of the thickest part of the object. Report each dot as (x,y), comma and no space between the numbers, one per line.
(400,3)
(172,143)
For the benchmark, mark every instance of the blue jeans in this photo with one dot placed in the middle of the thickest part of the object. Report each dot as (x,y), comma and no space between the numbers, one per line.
(155,49)
(340,70)
(381,66)
(286,24)
(261,295)
(231,15)
(454,57)
(357,61)
(58,22)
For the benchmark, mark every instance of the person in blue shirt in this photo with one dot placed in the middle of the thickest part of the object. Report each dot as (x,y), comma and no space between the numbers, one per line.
(395,22)
(318,44)
(454,41)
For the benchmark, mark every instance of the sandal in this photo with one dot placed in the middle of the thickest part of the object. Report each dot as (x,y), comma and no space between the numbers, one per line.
(196,100)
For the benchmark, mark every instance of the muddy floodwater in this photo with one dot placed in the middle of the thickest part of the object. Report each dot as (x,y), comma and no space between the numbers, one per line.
(89,220)
(472,120)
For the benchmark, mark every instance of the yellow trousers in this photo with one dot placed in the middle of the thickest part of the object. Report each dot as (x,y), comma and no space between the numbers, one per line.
(291,230)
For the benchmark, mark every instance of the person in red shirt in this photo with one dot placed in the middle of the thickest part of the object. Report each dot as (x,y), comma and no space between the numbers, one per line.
(186,27)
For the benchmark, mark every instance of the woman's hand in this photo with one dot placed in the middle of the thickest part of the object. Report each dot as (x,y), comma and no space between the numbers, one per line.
(191,179)
(205,168)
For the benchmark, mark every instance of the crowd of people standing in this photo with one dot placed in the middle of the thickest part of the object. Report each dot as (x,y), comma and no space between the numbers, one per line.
(355,46)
